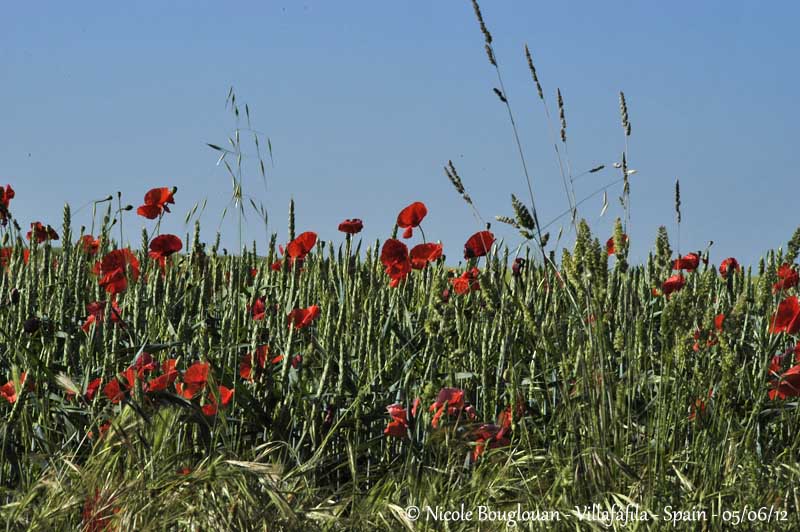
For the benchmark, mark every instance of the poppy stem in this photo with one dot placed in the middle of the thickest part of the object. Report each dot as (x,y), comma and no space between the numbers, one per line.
(119,216)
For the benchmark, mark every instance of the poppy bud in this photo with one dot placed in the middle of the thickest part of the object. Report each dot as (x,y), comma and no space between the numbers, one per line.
(329,412)
(31,325)
(127,208)
(516,268)
(14,296)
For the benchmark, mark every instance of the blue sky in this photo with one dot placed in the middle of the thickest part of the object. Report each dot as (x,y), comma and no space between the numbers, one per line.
(364,103)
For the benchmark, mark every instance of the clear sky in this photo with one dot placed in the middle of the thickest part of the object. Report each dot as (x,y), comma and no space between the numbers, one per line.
(364,103)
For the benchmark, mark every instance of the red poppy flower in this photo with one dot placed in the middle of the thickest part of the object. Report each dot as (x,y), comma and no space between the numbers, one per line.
(728,265)
(396,429)
(411,217)
(787,317)
(351,226)
(467,282)
(163,246)
(144,364)
(5,199)
(775,364)
(610,249)
(422,254)
(246,365)
(89,244)
(113,391)
(506,417)
(155,202)
(788,385)
(97,311)
(697,410)
(8,391)
(297,360)
(696,346)
(116,390)
(194,380)
(478,245)
(114,268)
(450,399)
(42,233)
(8,252)
(415,406)
(393,251)
(225,395)
(302,317)
(491,436)
(92,387)
(163,381)
(301,246)
(472,414)
(711,338)
(517,267)
(258,310)
(394,256)
(673,284)
(719,319)
(212,406)
(6,195)
(398,426)
(276,266)
(688,262)
(397,412)
(788,278)
(101,431)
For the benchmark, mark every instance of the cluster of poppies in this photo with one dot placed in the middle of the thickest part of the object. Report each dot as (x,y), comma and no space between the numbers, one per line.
(96,314)
(7,252)
(192,384)
(398,261)
(787,278)
(689,263)
(452,401)
(252,367)
(466,282)
(300,318)
(120,266)
(785,320)
(710,336)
